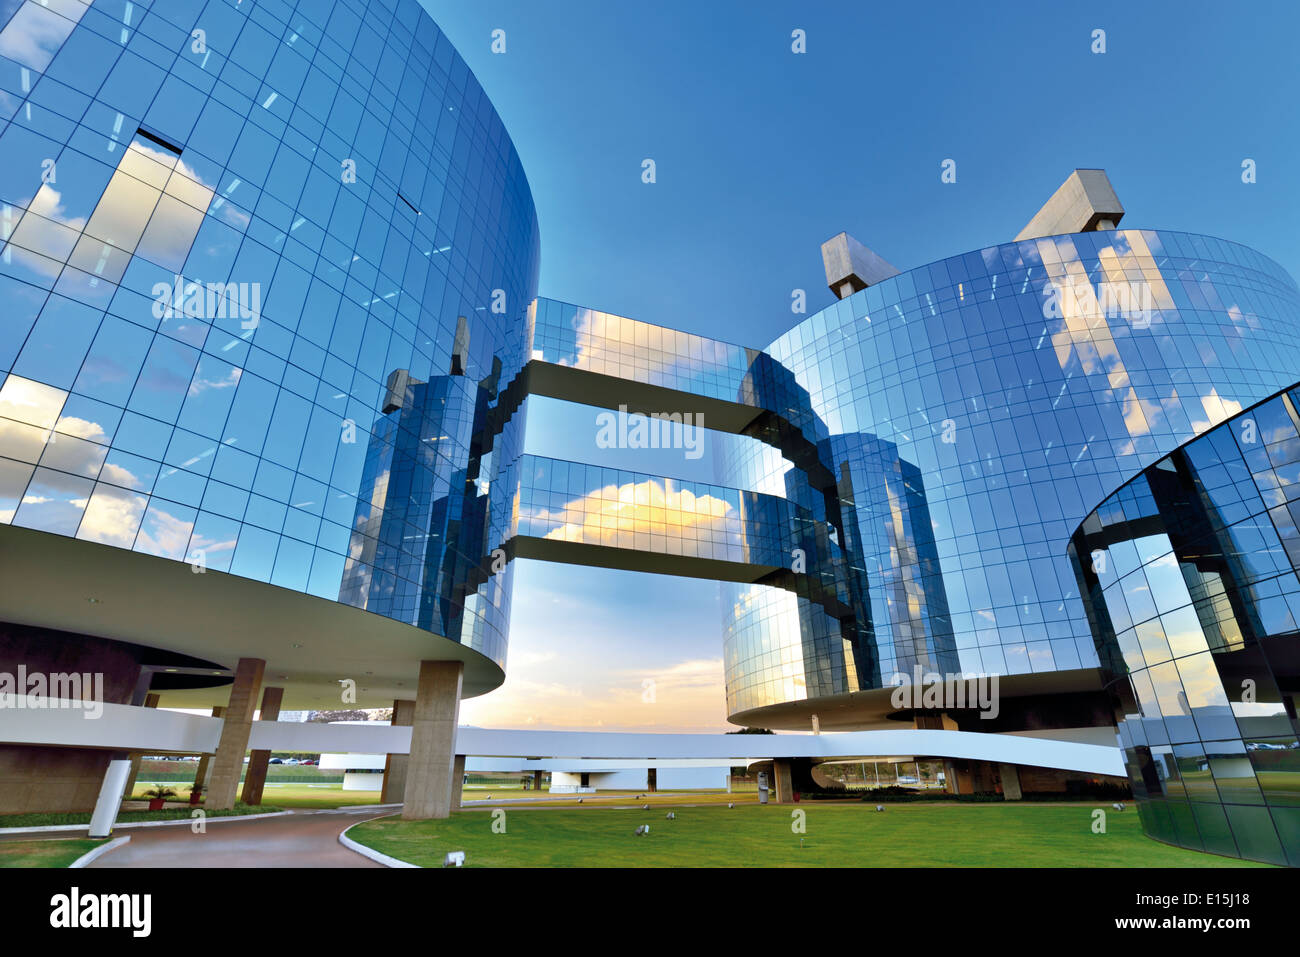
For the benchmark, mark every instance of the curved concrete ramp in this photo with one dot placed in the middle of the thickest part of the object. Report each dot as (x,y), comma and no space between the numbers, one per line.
(152,731)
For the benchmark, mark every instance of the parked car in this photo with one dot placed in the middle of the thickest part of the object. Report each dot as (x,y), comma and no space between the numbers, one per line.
(276,761)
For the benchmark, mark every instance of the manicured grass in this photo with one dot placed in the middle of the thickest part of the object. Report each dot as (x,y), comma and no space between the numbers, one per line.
(170,812)
(182,773)
(44,853)
(306,796)
(605,798)
(294,795)
(837,835)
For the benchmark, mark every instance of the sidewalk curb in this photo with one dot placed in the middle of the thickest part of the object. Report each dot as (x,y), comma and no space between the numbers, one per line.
(98,852)
(371,853)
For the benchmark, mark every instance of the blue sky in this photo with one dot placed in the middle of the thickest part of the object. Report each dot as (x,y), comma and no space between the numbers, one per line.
(762,154)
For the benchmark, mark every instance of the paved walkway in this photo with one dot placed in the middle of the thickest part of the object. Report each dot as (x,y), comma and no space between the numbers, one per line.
(300,839)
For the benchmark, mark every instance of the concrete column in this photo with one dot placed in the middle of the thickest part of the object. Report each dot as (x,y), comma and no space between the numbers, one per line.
(205,764)
(537,780)
(258,761)
(433,741)
(457,781)
(784,789)
(395,764)
(110,796)
(228,762)
(1010,775)
(950,782)
(150,701)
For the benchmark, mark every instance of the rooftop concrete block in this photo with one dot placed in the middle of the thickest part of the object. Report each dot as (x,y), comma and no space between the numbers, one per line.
(1084,203)
(851,266)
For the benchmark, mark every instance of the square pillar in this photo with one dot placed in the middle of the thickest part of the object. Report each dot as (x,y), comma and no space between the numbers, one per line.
(457,781)
(110,796)
(150,701)
(258,761)
(950,782)
(428,791)
(784,788)
(395,764)
(228,762)
(205,764)
(537,780)
(1010,776)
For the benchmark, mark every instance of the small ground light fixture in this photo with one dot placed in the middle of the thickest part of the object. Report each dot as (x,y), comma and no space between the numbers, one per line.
(643,830)
(454,859)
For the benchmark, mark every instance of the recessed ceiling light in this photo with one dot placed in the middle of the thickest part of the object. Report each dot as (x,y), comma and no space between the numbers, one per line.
(93,601)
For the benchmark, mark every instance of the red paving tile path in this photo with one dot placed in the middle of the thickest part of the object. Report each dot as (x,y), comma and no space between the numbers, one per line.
(302,839)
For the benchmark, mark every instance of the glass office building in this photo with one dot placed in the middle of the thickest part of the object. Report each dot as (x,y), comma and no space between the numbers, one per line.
(225,226)
(270,276)
(1011,394)
(1190,580)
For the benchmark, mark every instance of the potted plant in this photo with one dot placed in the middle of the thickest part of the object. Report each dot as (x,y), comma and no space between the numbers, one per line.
(157,796)
(196,794)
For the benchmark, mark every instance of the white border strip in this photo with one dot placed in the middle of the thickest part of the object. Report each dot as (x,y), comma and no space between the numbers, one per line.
(98,852)
(370,852)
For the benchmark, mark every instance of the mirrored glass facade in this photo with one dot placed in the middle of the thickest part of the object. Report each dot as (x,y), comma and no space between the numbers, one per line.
(225,226)
(977,409)
(1190,580)
(951,426)
(270,271)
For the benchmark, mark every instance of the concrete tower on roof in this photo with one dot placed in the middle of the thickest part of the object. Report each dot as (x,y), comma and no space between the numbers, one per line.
(1084,203)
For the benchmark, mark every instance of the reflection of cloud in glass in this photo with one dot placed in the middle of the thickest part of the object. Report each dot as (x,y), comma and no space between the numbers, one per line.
(54,502)
(764,627)
(32,402)
(655,505)
(164,534)
(112,516)
(644,352)
(1217,409)
(1202,686)
(203,383)
(36,32)
(1086,333)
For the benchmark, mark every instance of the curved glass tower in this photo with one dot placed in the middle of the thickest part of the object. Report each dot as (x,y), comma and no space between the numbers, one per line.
(264,267)
(1189,573)
(269,273)
(976,409)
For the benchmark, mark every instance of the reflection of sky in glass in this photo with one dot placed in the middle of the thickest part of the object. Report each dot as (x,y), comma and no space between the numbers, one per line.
(1214,673)
(38,30)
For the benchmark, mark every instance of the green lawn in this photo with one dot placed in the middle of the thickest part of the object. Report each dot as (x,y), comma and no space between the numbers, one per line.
(172,811)
(294,794)
(316,796)
(59,853)
(844,835)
